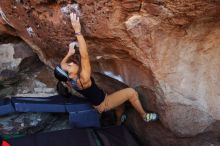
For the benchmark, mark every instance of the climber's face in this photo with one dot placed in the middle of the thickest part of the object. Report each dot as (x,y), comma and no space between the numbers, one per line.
(73,69)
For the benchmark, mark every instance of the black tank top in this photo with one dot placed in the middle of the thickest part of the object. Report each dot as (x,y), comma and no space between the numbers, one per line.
(94,94)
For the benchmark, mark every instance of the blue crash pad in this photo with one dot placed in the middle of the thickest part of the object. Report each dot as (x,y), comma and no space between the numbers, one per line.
(73,106)
(39,104)
(50,104)
(6,107)
(55,103)
(84,118)
(81,113)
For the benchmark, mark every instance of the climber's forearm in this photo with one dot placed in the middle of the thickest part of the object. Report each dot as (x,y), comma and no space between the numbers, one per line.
(64,61)
(82,46)
(85,63)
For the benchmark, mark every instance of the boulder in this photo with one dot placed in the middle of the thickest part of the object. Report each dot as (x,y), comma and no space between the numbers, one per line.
(12,54)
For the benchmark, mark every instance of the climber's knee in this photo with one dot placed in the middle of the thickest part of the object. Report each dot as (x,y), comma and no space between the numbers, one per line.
(133,95)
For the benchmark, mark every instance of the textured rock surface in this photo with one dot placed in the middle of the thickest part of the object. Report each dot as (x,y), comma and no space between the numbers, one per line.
(12,55)
(155,134)
(168,46)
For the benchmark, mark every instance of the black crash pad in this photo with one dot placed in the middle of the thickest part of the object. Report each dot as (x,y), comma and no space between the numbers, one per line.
(112,136)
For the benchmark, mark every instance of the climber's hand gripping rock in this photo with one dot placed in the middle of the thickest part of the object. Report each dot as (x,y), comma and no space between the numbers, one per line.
(75,23)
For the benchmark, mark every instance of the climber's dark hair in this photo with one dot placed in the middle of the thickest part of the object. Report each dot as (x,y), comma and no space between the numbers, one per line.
(62,90)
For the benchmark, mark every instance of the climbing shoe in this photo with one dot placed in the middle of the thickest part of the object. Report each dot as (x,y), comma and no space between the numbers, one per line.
(149,117)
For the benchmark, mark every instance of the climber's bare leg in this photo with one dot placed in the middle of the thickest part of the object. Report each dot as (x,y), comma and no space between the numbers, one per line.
(117,98)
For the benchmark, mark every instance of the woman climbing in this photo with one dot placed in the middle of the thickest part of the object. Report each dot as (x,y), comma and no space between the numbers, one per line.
(78,76)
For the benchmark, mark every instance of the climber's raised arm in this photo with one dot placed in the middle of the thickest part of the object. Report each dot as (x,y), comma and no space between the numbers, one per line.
(85,63)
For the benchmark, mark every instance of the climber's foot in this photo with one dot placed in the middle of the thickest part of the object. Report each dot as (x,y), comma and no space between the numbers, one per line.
(150,117)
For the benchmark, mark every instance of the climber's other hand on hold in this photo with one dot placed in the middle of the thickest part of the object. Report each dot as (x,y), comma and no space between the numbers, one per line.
(75,22)
(71,49)
(73,45)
